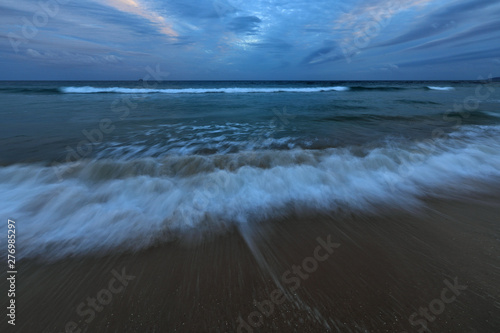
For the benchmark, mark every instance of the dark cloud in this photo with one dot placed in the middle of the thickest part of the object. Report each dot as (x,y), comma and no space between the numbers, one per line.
(462,9)
(245,24)
(462,57)
(474,33)
(446,18)
(330,52)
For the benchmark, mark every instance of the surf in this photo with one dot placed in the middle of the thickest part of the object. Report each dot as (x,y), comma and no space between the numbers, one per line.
(108,205)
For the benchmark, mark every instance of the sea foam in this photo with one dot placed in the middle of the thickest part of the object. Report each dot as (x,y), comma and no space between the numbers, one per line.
(440,88)
(128,205)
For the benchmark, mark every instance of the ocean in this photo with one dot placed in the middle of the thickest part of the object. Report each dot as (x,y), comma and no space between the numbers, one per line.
(116,166)
(252,206)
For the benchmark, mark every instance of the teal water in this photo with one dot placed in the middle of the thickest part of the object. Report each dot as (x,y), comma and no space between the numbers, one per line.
(43,121)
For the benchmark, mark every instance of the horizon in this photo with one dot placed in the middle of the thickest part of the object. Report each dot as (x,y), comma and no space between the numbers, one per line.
(230,40)
(270,80)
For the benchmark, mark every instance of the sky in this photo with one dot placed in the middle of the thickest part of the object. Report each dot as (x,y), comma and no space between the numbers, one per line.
(250,40)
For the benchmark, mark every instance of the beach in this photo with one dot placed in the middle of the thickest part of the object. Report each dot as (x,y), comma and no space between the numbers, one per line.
(387,266)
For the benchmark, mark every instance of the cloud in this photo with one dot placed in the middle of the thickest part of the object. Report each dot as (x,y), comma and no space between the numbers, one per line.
(136,7)
(474,33)
(443,19)
(273,43)
(358,26)
(33,53)
(365,12)
(267,39)
(386,67)
(248,25)
(223,8)
(462,57)
(328,53)
(65,57)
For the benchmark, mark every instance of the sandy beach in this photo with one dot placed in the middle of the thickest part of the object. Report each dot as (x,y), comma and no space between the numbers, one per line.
(384,268)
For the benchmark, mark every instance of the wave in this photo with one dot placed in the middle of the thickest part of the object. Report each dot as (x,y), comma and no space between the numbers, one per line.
(233,90)
(187,139)
(105,205)
(94,90)
(393,88)
(440,88)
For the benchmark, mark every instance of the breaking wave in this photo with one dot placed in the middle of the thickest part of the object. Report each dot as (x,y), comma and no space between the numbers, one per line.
(104,205)
(119,90)
(235,90)
(440,88)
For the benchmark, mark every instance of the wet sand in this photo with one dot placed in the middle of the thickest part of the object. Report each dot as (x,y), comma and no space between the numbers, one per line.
(388,265)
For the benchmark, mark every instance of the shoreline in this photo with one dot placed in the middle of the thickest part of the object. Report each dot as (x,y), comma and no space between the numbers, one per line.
(387,266)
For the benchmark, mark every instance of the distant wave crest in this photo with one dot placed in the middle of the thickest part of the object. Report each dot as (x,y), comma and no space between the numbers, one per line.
(234,90)
(119,90)
(440,88)
(227,90)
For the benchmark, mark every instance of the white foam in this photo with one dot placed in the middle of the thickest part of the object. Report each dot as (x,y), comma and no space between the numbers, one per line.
(441,88)
(109,204)
(94,90)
